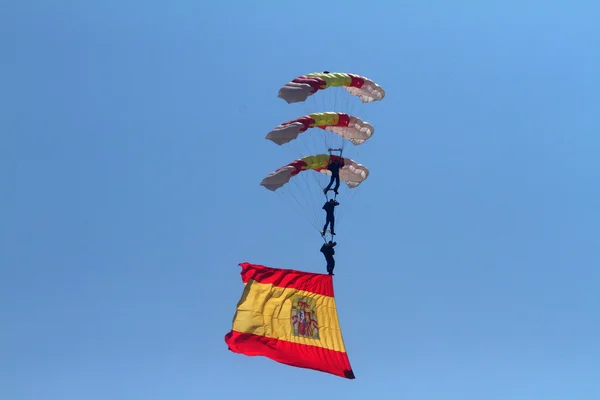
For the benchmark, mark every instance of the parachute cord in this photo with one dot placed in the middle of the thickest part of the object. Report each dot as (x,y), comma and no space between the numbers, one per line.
(314,203)
(293,197)
(308,208)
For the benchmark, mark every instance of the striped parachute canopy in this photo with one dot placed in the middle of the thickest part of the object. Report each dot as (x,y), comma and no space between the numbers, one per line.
(352,173)
(348,127)
(300,88)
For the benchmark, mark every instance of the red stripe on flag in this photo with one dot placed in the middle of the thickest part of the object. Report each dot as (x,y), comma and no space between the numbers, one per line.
(294,354)
(315,283)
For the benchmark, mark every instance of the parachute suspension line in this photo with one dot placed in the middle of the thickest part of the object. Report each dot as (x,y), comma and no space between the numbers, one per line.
(295,189)
(306,207)
(349,202)
(324,137)
(317,199)
(323,108)
(282,199)
(309,198)
(318,105)
(293,196)
(296,209)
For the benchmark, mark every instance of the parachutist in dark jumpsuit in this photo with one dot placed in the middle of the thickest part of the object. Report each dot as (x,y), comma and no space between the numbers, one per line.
(334,166)
(328,252)
(329,217)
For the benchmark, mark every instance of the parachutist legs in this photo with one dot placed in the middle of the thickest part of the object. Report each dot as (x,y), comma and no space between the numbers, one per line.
(334,178)
(328,252)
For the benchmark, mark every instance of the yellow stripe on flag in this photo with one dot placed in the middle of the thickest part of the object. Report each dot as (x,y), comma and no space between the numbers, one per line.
(289,314)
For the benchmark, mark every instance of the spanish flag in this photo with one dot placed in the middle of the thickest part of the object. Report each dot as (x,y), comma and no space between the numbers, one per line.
(290,317)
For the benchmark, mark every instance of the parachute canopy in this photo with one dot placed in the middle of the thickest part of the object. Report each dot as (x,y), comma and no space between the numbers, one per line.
(348,127)
(352,173)
(302,87)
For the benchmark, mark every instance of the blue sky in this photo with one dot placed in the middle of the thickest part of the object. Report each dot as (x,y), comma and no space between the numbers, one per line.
(131,151)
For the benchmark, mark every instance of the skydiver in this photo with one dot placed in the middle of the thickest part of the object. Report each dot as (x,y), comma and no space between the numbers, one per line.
(329,217)
(328,252)
(334,166)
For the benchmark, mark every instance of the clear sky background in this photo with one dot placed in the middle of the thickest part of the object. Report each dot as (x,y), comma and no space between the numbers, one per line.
(131,151)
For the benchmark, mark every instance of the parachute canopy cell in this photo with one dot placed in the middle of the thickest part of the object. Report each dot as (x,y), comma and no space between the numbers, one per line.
(299,89)
(352,173)
(348,127)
